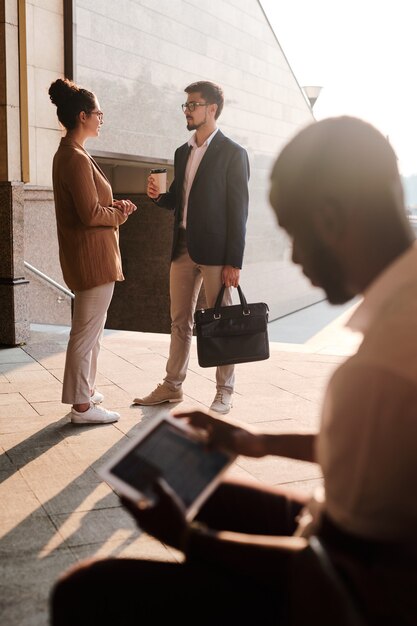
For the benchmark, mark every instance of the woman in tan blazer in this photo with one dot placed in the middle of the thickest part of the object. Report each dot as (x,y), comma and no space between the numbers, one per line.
(88,222)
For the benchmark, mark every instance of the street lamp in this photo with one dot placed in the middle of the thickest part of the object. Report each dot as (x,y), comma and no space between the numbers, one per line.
(312,93)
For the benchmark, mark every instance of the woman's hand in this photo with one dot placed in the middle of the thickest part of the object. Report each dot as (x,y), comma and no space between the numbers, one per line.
(126,206)
(227,435)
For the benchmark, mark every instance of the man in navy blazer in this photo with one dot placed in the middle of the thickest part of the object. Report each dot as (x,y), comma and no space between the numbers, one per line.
(209,195)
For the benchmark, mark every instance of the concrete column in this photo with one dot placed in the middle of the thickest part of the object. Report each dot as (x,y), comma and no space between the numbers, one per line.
(14,318)
(14,322)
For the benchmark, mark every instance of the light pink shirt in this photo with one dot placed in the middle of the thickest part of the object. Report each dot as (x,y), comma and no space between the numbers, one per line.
(194,160)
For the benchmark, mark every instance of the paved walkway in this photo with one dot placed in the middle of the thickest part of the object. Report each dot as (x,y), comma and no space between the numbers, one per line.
(54,508)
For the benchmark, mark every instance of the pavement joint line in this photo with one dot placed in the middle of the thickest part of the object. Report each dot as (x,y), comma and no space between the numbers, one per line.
(295,393)
(124,358)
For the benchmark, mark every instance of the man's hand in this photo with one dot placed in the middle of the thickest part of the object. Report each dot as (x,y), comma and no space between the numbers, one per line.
(164,520)
(230,276)
(152,189)
(220,434)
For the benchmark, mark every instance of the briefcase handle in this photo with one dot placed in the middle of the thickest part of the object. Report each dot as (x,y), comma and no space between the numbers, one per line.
(218,304)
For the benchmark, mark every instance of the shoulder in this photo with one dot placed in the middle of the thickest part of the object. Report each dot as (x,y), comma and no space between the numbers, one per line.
(232,156)
(73,164)
(363,377)
(228,143)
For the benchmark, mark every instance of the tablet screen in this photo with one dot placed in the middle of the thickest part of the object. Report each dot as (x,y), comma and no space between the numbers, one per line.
(185,463)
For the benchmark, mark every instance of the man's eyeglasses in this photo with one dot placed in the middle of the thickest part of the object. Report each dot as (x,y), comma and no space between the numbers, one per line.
(192,105)
(99,114)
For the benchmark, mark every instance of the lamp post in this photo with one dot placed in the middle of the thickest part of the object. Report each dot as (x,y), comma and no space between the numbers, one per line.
(312,93)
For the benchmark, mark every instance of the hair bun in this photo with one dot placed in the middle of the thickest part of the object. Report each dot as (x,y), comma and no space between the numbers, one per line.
(61,90)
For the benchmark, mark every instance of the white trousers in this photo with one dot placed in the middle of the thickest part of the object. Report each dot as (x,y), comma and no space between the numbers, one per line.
(186,277)
(89,317)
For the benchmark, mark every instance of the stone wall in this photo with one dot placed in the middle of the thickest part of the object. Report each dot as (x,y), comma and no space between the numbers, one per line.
(138,56)
(45,58)
(14,310)
(47,305)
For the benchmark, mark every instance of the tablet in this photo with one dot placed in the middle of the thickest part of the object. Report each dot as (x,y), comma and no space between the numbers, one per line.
(170,449)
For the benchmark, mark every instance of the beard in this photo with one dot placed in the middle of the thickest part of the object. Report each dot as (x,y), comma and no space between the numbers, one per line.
(192,126)
(330,275)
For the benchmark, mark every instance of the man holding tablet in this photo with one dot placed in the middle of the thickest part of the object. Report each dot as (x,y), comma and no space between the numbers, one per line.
(336,190)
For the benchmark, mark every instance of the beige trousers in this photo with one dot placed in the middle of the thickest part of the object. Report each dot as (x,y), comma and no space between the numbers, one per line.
(186,278)
(89,317)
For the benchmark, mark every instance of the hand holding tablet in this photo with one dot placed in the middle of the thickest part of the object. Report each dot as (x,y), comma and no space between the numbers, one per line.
(164,518)
(228,434)
(167,452)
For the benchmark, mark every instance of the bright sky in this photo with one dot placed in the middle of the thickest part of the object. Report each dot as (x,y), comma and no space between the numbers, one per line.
(364,55)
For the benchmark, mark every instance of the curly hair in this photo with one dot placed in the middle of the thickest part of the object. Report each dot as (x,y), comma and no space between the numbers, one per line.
(70,100)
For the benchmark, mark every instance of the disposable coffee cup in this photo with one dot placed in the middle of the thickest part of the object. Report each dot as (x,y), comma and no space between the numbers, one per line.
(160,178)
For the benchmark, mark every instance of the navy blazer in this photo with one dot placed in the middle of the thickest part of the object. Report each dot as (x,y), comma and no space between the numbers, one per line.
(217,205)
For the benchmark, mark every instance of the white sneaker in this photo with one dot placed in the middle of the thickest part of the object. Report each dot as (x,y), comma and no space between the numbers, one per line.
(94,415)
(222,402)
(97,397)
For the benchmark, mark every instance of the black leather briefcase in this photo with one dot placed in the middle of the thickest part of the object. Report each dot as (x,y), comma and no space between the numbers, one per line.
(232,334)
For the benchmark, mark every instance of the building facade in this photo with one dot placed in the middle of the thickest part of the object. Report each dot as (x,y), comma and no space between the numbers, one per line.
(137,56)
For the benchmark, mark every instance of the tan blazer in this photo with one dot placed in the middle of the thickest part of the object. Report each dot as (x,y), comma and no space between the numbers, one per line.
(88,232)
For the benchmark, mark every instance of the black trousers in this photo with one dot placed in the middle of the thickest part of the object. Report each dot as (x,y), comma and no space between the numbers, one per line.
(132,592)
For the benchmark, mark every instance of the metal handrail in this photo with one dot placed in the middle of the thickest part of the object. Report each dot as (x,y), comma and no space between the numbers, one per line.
(49,280)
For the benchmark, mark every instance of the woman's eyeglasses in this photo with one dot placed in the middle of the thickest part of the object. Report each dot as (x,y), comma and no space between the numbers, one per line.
(99,114)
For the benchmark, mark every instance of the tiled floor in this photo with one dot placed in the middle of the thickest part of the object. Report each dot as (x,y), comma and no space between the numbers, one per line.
(55,509)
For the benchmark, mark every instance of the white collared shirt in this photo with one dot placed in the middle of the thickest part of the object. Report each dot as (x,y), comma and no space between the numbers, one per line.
(367,446)
(194,160)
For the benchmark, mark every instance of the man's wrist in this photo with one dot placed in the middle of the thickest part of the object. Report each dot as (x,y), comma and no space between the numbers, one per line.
(262,445)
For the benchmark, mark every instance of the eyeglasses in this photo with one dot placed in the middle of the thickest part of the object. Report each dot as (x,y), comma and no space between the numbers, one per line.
(192,105)
(99,114)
